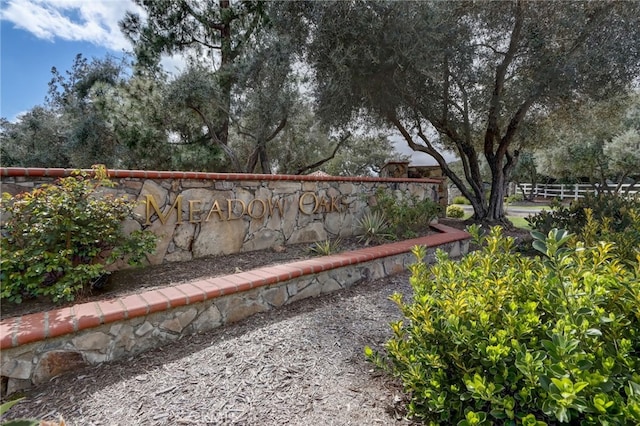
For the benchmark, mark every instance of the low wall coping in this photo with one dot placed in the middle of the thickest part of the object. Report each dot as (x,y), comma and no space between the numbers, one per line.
(151,174)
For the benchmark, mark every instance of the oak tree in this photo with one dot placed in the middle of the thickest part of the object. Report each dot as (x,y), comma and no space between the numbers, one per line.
(464,76)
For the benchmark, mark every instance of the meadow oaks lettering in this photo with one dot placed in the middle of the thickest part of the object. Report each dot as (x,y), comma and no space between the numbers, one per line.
(232,208)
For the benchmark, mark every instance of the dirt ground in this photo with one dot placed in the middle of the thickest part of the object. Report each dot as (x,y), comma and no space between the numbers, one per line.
(302,364)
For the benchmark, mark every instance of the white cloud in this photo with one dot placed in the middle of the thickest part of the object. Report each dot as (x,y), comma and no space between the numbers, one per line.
(174,64)
(418,158)
(17,117)
(72,20)
(93,21)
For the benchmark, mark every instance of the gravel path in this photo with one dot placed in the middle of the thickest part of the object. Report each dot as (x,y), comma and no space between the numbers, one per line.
(300,365)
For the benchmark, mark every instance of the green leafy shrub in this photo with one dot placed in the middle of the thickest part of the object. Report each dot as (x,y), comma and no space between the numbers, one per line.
(459,199)
(499,338)
(407,216)
(606,217)
(455,212)
(326,247)
(59,237)
(514,198)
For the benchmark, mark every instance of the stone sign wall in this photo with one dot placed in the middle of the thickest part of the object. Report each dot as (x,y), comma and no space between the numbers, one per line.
(203,214)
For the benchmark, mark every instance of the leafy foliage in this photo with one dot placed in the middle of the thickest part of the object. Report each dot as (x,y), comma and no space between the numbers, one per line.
(467,76)
(525,171)
(326,247)
(406,215)
(455,212)
(59,237)
(37,139)
(605,217)
(374,228)
(499,338)
(459,199)
(600,141)
(514,198)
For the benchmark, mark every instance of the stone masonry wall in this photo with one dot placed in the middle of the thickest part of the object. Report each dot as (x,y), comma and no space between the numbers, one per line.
(203,214)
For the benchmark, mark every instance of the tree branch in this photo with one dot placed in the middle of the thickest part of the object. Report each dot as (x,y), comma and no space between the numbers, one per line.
(492,121)
(227,150)
(429,149)
(321,162)
(277,130)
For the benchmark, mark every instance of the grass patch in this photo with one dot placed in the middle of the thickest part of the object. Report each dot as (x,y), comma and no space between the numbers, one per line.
(519,222)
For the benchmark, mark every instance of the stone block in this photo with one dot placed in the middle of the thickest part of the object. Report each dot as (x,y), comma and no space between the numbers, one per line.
(236,308)
(193,194)
(275,296)
(308,186)
(345,276)
(310,233)
(208,320)
(94,358)
(333,223)
(180,321)
(165,236)
(178,256)
(130,225)
(124,337)
(329,285)
(346,188)
(55,363)
(132,184)
(159,193)
(183,235)
(305,289)
(217,238)
(454,250)
(263,240)
(464,246)
(196,183)
(288,221)
(145,328)
(186,317)
(284,187)
(15,385)
(17,369)
(96,341)
(394,265)
(224,185)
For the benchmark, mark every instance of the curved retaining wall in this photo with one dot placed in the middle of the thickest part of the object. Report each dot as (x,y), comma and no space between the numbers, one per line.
(35,348)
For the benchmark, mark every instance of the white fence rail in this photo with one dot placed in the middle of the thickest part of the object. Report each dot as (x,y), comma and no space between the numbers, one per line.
(569,191)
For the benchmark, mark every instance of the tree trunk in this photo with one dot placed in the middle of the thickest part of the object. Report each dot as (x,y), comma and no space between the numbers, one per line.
(226,75)
(494,212)
(264,159)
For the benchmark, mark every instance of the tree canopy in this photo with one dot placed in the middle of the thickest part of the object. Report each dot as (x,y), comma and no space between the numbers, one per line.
(465,76)
(234,64)
(597,142)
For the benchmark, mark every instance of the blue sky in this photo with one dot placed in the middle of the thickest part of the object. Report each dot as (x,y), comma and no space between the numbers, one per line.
(36,35)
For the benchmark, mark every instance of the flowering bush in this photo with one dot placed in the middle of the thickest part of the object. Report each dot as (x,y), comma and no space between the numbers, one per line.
(58,238)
